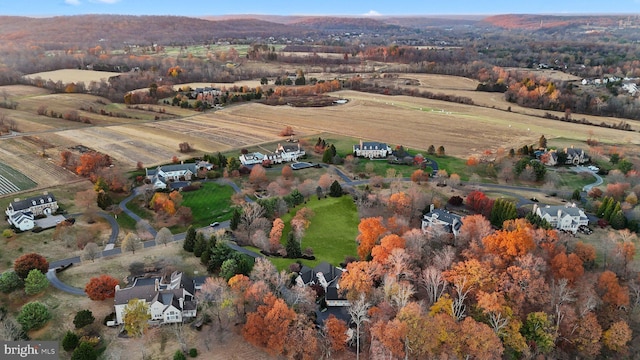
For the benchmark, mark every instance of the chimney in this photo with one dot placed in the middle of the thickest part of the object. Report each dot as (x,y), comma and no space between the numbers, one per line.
(181,302)
(431,208)
(45,193)
(360,144)
(181,162)
(117,288)
(535,208)
(559,214)
(157,285)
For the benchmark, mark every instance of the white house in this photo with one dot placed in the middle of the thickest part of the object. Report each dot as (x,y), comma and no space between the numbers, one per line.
(162,176)
(21,213)
(371,149)
(252,158)
(290,152)
(171,302)
(443,218)
(567,217)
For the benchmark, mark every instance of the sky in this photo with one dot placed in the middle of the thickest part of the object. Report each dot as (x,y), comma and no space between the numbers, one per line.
(37,8)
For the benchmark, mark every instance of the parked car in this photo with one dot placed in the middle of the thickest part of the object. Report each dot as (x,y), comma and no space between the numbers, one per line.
(214,224)
(585,230)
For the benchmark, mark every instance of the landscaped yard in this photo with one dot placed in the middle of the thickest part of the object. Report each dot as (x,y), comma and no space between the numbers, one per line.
(331,234)
(211,203)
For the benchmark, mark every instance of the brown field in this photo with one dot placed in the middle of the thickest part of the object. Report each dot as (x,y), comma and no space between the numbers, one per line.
(310,54)
(73,75)
(547,73)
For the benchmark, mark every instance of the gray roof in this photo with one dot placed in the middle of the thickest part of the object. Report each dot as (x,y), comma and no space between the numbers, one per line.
(371,145)
(444,215)
(553,210)
(329,271)
(29,202)
(178,167)
(21,216)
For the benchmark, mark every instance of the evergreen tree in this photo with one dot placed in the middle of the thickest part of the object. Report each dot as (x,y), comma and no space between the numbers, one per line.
(70,341)
(205,256)
(502,210)
(200,245)
(335,190)
(35,283)
(618,220)
(293,247)
(84,351)
(297,197)
(610,210)
(326,156)
(576,195)
(603,206)
(334,152)
(441,150)
(189,239)
(235,219)
(83,318)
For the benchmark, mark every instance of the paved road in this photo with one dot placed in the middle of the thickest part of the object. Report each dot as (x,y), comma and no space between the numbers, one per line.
(53,279)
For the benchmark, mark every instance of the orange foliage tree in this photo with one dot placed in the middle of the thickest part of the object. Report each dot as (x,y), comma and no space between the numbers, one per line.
(611,290)
(275,235)
(269,325)
(381,252)
(567,267)
(336,332)
(357,279)
(617,336)
(508,245)
(400,204)
(370,231)
(101,287)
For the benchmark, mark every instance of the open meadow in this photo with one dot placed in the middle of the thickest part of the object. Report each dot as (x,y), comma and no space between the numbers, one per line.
(73,75)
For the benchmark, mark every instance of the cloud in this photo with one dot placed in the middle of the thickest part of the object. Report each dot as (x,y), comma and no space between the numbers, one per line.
(372,13)
(72,2)
(105,1)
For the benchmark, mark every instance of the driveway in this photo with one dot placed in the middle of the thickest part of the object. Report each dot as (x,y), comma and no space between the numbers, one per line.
(53,279)
(598,181)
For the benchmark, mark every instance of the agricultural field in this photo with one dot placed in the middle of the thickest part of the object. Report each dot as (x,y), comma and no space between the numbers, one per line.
(12,181)
(73,76)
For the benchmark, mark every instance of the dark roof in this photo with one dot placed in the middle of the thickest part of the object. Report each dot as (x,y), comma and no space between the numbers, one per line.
(553,210)
(329,271)
(371,145)
(306,273)
(21,216)
(443,215)
(175,185)
(32,201)
(144,292)
(178,167)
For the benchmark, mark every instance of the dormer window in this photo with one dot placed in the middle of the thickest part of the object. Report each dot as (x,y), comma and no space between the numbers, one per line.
(33,202)
(41,201)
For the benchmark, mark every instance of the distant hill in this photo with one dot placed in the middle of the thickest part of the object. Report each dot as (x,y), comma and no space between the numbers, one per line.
(533,22)
(117,29)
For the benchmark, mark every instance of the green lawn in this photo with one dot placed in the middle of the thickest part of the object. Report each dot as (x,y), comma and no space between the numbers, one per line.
(211,203)
(574,180)
(331,234)
(453,165)
(332,231)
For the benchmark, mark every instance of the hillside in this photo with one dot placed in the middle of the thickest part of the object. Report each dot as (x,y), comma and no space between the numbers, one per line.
(533,22)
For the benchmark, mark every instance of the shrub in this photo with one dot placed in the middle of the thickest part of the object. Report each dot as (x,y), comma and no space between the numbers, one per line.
(83,318)
(193,352)
(70,341)
(10,281)
(84,352)
(33,316)
(35,283)
(179,355)
(8,233)
(28,262)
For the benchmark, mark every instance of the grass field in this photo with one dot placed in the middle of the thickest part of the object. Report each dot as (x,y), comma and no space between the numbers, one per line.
(73,76)
(331,233)
(211,203)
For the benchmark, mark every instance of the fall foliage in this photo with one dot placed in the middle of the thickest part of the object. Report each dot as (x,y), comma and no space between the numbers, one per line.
(28,262)
(101,287)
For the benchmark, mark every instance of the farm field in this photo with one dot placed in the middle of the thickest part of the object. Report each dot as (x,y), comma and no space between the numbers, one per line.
(73,75)
(13,181)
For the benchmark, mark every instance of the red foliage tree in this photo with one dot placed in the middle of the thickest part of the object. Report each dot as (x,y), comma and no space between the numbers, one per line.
(336,331)
(28,262)
(611,290)
(371,229)
(101,287)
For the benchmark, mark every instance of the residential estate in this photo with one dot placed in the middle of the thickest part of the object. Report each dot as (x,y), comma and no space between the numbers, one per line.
(282,154)
(443,218)
(174,176)
(22,213)
(171,302)
(371,149)
(562,217)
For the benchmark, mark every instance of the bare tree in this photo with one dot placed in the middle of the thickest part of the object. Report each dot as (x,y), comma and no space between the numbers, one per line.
(359,311)
(458,307)
(164,236)
(433,283)
(250,213)
(215,297)
(142,228)
(91,252)
(131,243)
